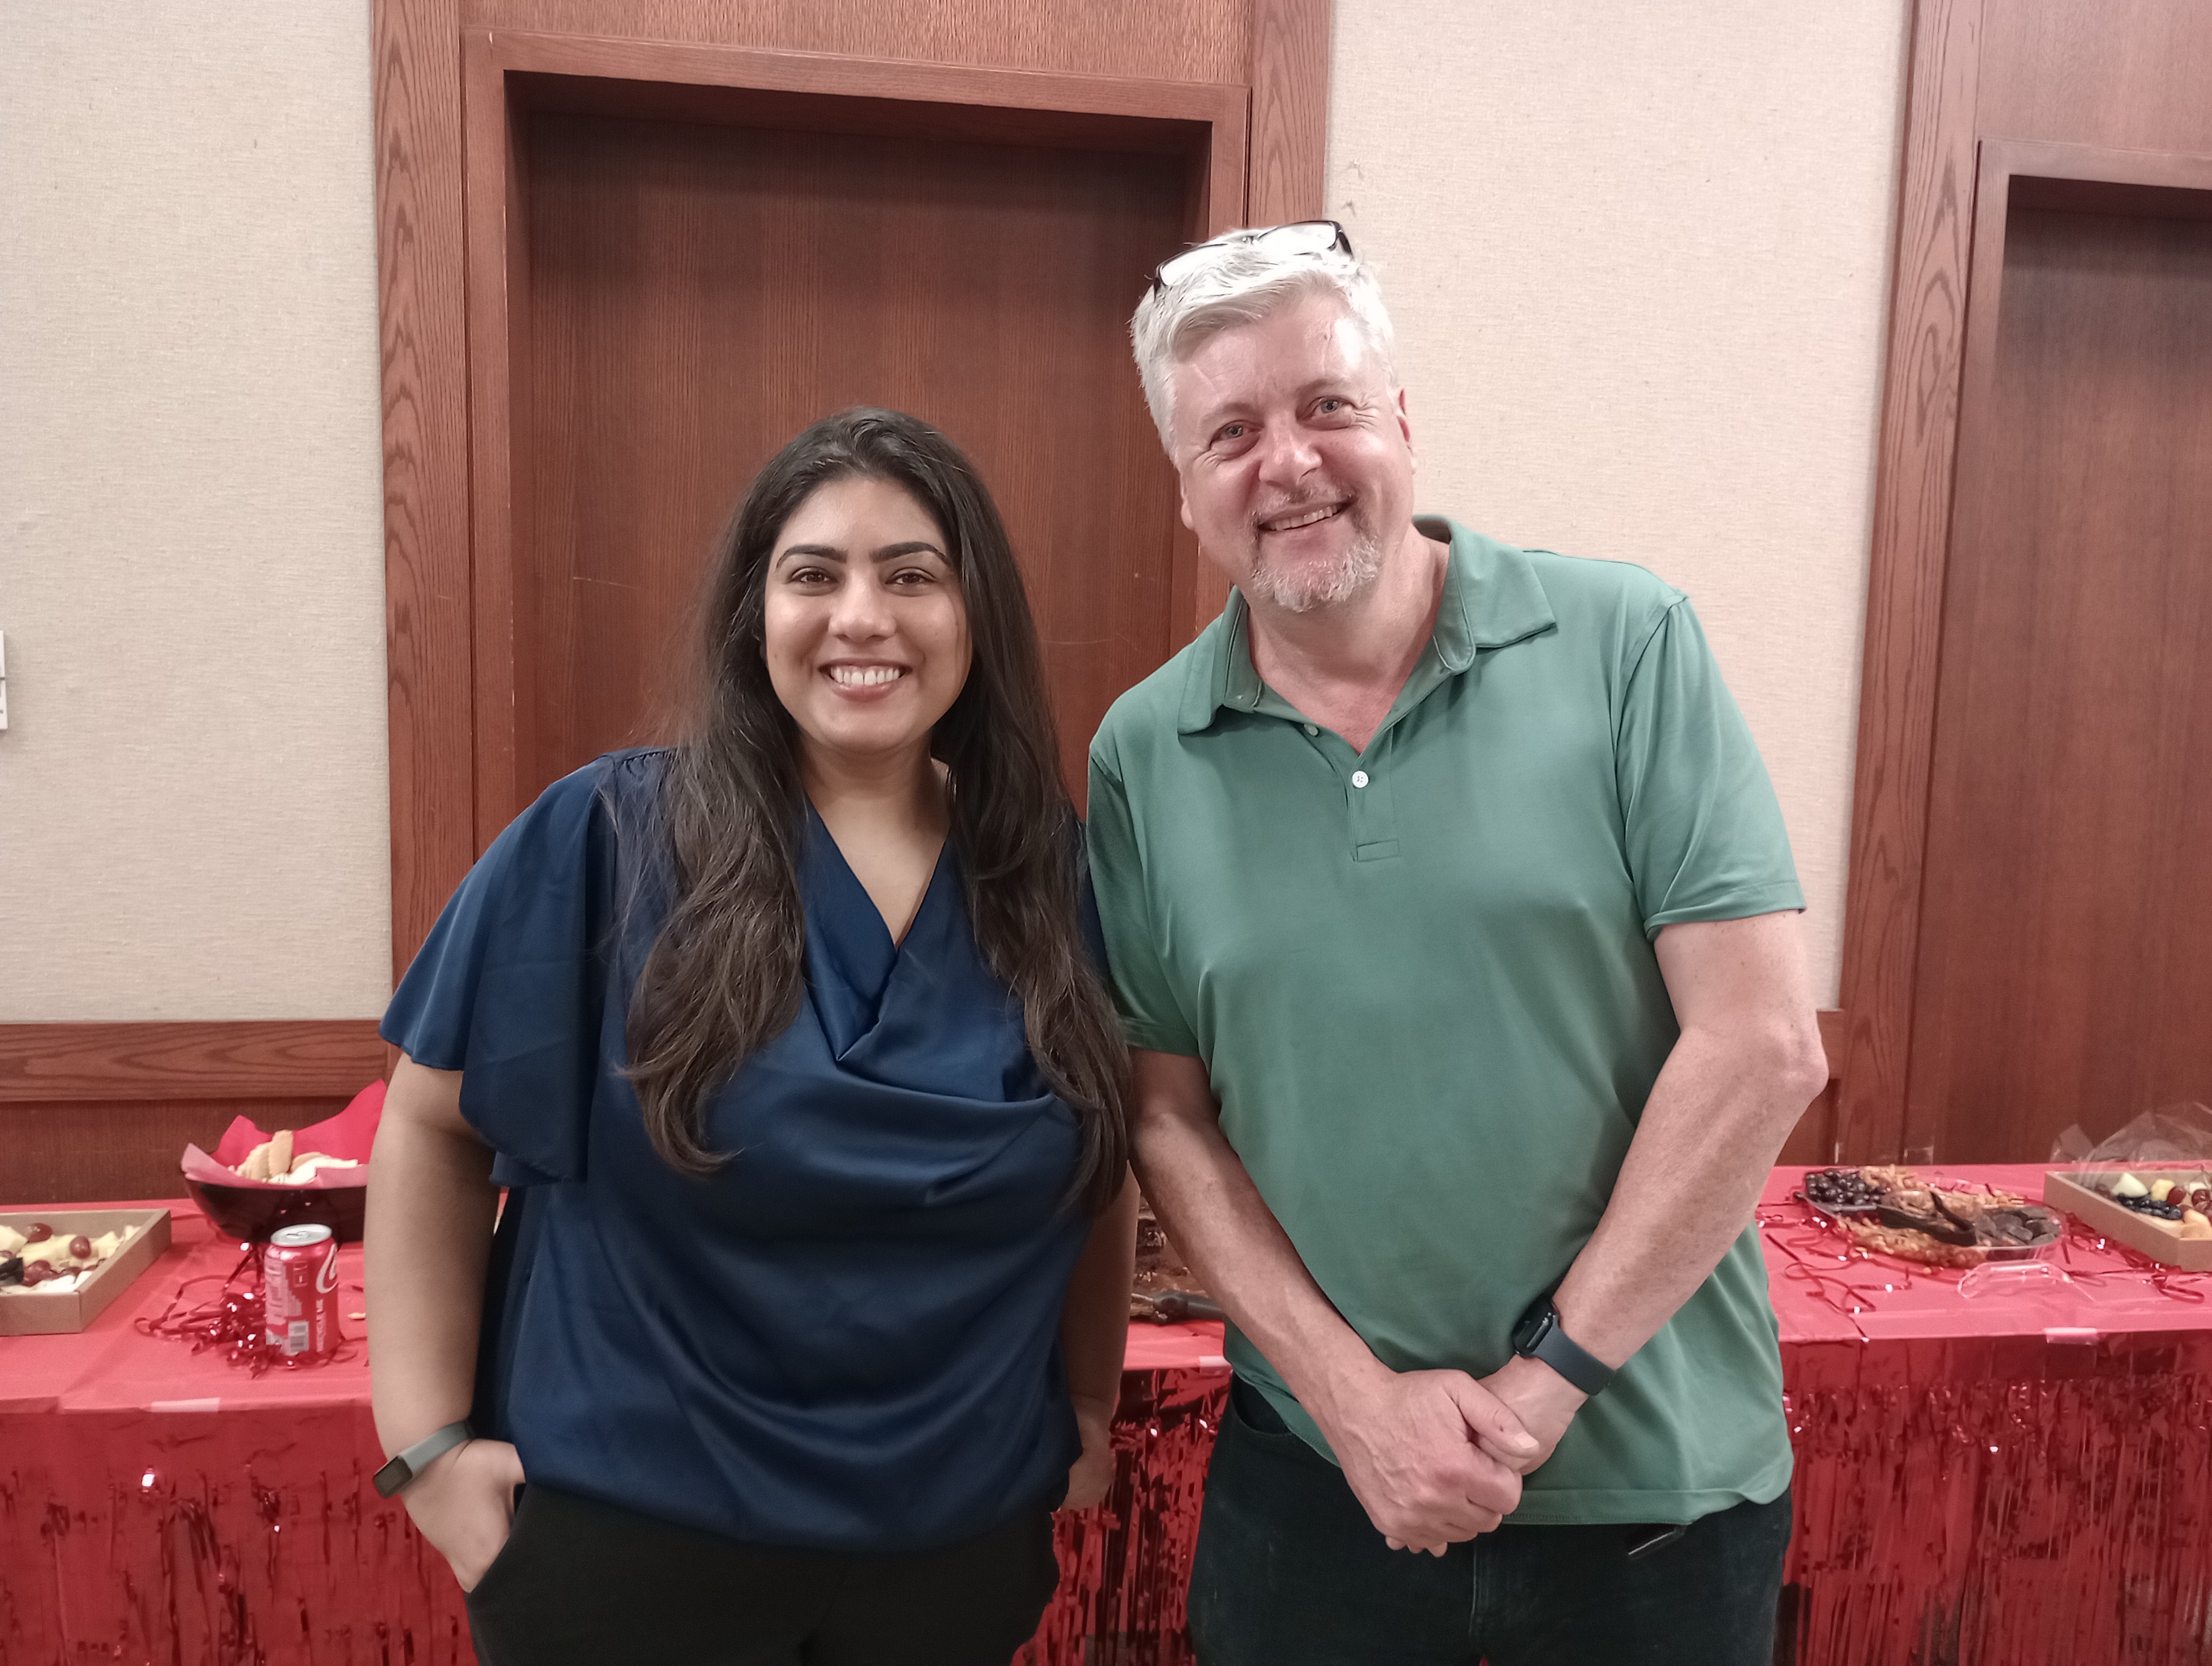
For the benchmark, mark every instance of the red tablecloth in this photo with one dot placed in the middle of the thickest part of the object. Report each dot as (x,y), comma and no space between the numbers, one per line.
(157,1505)
(2014,1478)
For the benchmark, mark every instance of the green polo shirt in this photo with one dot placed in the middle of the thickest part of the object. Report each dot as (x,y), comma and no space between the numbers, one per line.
(1422,979)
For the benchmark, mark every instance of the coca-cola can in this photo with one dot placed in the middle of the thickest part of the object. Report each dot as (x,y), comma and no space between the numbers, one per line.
(300,1285)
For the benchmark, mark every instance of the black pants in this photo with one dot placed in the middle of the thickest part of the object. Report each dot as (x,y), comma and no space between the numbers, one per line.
(1290,1573)
(583,1582)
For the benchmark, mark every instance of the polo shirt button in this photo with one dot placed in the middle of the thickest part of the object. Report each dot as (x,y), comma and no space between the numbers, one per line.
(1359,777)
(1310,729)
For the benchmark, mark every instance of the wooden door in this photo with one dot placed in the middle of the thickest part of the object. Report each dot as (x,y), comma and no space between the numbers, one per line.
(699,293)
(2065,958)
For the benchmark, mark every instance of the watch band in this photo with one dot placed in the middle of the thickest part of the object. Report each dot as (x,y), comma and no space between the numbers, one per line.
(1540,1336)
(404,1467)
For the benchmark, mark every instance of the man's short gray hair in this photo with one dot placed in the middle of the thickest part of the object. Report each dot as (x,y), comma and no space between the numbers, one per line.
(1243,283)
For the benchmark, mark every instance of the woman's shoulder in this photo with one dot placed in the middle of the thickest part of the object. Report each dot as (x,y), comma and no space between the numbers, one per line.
(619,780)
(609,799)
(632,775)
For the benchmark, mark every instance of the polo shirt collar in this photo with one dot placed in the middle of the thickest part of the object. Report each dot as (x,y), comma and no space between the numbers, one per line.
(1493,599)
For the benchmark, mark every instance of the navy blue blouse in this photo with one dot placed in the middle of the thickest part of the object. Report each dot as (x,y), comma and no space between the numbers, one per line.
(848,1337)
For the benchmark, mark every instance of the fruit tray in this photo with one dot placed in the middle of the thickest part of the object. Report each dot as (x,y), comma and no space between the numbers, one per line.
(144,1234)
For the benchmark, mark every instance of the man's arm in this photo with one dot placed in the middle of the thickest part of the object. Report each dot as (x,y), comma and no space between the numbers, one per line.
(1407,1441)
(1748,1063)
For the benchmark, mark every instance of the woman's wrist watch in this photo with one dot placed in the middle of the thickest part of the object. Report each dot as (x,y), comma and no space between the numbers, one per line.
(404,1467)
(1538,1336)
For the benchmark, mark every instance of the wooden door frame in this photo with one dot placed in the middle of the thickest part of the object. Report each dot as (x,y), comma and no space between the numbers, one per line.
(1904,582)
(1956,193)
(448,197)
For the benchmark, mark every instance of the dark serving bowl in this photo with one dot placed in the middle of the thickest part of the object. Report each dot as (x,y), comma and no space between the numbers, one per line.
(253,1213)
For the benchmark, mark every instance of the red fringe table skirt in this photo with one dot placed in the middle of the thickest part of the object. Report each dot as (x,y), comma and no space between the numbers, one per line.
(251,1537)
(2002,1502)
(2005,1503)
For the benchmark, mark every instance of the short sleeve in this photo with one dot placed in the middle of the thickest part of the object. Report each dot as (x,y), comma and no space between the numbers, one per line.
(1151,1017)
(1704,833)
(510,987)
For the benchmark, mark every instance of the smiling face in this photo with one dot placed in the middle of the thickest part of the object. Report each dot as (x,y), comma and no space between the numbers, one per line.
(1296,456)
(865,630)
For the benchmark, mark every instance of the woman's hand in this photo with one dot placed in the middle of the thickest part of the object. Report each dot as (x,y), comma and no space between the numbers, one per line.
(464,1504)
(1092,1476)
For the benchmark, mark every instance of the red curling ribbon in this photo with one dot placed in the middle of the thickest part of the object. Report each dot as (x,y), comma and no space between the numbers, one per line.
(2175,1283)
(233,1322)
(1808,1238)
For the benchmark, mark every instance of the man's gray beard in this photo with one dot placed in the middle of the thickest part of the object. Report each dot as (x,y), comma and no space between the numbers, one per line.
(1361,566)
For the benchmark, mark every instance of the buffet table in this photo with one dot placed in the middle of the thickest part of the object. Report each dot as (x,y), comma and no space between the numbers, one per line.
(2019,1476)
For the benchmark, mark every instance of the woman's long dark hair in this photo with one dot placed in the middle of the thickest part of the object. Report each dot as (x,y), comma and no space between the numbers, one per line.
(724,975)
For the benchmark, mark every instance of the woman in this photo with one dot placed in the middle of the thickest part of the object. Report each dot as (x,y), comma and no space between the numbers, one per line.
(808,1301)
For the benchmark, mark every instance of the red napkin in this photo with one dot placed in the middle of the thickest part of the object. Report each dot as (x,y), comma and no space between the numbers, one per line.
(351,1133)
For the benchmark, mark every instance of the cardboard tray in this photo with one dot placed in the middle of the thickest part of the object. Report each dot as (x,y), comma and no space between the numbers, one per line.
(2063,1190)
(33,1313)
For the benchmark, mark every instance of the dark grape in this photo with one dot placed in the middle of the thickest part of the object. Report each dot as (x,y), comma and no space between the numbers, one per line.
(80,1248)
(39,1232)
(2149,1206)
(1841,1189)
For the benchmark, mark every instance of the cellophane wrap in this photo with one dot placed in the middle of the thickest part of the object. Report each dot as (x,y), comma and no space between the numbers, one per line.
(2175,1136)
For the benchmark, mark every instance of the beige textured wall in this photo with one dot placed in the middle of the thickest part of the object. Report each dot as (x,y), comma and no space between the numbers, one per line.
(192,801)
(1638,255)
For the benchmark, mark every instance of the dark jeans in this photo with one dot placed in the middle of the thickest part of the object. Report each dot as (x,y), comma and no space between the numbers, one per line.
(584,1582)
(1290,1573)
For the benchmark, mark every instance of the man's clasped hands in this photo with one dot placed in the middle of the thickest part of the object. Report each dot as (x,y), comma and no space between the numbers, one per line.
(1437,1456)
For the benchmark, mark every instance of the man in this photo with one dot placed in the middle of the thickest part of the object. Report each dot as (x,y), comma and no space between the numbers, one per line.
(1454,923)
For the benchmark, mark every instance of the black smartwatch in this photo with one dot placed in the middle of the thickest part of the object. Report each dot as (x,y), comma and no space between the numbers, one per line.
(1538,1336)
